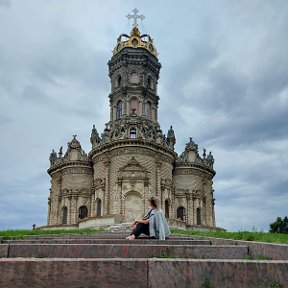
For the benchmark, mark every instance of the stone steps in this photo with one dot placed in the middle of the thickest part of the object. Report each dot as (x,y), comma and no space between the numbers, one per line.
(109,241)
(126,251)
(108,260)
(76,273)
(104,235)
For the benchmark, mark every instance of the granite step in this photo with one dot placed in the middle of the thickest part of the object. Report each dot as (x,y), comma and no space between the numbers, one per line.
(97,236)
(141,273)
(109,241)
(124,251)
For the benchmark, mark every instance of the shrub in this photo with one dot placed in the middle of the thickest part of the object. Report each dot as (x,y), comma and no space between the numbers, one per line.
(280,225)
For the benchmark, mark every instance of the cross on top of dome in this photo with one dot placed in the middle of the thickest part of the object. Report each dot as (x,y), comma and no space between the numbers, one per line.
(135,39)
(135,17)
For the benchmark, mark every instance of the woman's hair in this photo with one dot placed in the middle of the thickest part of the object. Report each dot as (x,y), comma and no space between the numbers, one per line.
(153,201)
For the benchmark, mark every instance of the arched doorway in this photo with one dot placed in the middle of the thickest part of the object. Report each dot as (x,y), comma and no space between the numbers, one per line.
(167,208)
(64,215)
(98,207)
(133,206)
(181,213)
(83,212)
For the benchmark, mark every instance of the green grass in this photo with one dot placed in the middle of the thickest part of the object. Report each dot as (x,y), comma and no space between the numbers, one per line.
(20,234)
(207,284)
(275,285)
(240,235)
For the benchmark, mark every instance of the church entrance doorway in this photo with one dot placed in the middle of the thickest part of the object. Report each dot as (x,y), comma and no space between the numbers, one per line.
(133,206)
(181,213)
(83,212)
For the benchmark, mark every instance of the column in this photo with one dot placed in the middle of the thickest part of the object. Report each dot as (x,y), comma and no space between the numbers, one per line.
(194,210)
(141,108)
(70,212)
(158,180)
(190,209)
(107,190)
(92,206)
(49,211)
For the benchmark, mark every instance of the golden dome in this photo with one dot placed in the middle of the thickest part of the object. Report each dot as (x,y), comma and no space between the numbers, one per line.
(135,40)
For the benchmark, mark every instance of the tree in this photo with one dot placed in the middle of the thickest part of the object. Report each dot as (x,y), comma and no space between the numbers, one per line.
(279,226)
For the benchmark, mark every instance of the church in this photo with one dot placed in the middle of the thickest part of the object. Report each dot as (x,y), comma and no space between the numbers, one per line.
(132,159)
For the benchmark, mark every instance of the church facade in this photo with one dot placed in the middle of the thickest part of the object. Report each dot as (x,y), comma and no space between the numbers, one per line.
(132,159)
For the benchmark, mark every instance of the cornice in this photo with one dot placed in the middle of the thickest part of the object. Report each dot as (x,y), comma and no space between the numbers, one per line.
(196,166)
(68,164)
(127,143)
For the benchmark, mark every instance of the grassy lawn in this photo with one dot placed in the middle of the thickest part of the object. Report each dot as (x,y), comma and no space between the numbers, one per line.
(240,235)
(20,234)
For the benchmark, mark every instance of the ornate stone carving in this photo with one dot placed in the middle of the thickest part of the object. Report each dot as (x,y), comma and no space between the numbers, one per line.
(95,139)
(133,171)
(191,155)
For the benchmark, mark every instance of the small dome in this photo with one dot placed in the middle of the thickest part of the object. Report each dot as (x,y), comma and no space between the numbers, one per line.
(135,40)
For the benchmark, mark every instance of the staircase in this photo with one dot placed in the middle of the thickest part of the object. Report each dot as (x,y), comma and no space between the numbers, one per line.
(108,260)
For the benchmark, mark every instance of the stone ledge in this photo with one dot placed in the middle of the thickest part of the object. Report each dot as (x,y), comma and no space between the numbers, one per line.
(72,273)
(271,250)
(219,273)
(100,273)
(110,241)
(4,250)
(126,251)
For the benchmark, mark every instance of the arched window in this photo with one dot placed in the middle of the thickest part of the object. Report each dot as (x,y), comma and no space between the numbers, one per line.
(119,81)
(148,110)
(64,215)
(83,212)
(134,105)
(167,208)
(181,213)
(133,134)
(119,109)
(198,216)
(98,207)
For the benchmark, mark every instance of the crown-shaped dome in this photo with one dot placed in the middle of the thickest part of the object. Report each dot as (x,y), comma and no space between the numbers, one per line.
(135,40)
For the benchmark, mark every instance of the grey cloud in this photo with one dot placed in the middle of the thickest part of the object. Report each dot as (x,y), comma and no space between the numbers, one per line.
(4,120)
(223,81)
(5,3)
(29,207)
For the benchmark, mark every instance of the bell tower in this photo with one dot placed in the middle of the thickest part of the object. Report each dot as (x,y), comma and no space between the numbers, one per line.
(134,72)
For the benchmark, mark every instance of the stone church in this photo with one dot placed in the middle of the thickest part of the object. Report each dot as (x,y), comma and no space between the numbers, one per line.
(132,159)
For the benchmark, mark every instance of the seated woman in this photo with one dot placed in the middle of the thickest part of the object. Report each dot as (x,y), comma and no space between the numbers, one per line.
(155,228)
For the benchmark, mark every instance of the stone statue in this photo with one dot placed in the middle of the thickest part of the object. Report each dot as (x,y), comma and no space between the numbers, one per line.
(171,140)
(204,153)
(164,140)
(53,157)
(210,159)
(60,152)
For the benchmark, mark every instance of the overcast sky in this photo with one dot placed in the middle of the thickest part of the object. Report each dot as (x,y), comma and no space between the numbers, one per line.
(224,81)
